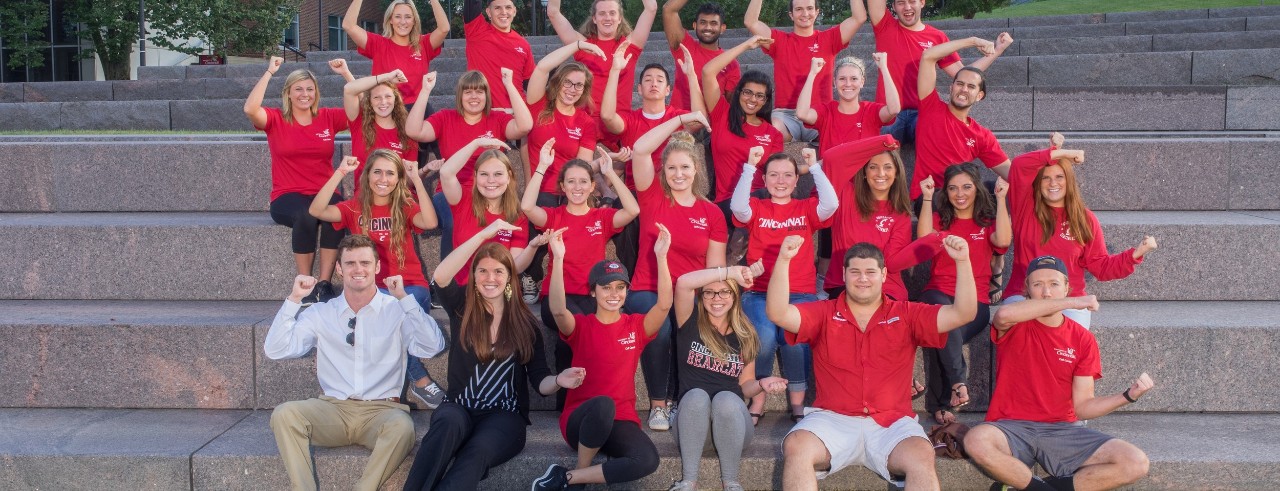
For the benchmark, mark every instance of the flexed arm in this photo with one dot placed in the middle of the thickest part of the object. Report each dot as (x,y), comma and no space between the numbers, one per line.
(927,80)
(352,90)
(461,255)
(751,20)
(644,24)
(352,27)
(804,105)
(253,104)
(564,29)
(689,283)
(437,36)
(609,103)
(537,88)
(711,90)
(857,17)
(778,299)
(415,124)
(320,207)
(642,154)
(671,25)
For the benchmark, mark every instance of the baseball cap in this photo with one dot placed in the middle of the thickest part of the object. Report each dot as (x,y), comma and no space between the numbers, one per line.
(608,271)
(1048,262)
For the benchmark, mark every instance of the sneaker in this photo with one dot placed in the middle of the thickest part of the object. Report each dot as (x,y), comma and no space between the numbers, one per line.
(428,397)
(659,419)
(554,479)
(314,296)
(325,291)
(688,486)
(529,289)
(732,486)
(996,486)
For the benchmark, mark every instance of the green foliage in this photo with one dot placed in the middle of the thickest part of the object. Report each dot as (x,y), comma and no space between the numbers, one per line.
(225,26)
(112,27)
(24,26)
(969,8)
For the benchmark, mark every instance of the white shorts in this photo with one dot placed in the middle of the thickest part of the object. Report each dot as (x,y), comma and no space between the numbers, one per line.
(857,439)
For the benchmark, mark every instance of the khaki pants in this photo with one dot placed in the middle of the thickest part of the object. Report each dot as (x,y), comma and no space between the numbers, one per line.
(382,426)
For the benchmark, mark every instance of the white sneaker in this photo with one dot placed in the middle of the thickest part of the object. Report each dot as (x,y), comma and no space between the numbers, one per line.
(683,486)
(659,419)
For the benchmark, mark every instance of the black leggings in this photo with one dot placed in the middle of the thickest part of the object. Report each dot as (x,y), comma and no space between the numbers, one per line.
(577,304)
(290,210)
(631,453)
(474,440)
(626,243)
(945,367)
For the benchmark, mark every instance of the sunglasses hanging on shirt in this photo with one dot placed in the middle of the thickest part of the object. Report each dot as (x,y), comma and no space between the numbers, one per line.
(351,336)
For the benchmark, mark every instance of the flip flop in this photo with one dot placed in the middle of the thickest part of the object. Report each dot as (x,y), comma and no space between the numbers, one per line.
(917,393)
(964,399)
(757,417)
(942,421)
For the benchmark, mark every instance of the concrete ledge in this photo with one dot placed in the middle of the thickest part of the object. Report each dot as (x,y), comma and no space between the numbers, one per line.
(30,116)
(1210,41)
(1253,176)
(1082,45)
(1252,108)
(160,89)
(1162,15)
(162,72)
(29,182)
(1176,108)
(1237,67)
(1186,26)
(11,92)
(1113,69)
(126,115)
(67,91)
(1259,11)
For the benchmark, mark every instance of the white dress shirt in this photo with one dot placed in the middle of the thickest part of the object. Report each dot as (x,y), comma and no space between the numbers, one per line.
(372,369)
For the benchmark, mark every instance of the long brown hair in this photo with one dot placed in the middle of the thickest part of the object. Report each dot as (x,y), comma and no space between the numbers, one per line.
(899,198)
(509,202)
(398,117)
(682,142)
(470,80)
(415,34)
(748,341)
(1078,224)
(984,205)
(400,198)
(588,27)
(516,333)
(299,75)
(556,84)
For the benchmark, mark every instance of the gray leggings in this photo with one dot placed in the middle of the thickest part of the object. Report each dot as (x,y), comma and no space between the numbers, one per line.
(724,419)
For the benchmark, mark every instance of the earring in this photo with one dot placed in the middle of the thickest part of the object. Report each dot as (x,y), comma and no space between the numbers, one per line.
(507,292)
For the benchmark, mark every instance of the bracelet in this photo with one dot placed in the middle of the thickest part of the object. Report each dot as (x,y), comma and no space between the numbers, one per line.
(1127,397)
(538,172)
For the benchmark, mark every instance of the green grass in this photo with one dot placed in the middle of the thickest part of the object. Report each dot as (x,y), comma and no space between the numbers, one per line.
(1064,7)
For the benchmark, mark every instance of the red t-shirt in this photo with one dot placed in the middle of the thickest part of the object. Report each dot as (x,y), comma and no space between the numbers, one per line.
(692,228)
(637,124)
(980,252)
(770,224)
(380,231)
(904,48)
(453,132)
(465,226)
(731,150)
(584,244)
(610,353)
(887,229)
(728,76)
(599,68)
(382,138)
(792,56)
(1027,234)
(835,127)
(571,133)
(942,141)
(866,373)
(388,56)
(302,155)
(490,50)
(1035,368)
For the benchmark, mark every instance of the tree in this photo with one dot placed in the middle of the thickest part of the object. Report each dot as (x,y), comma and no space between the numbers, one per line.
(225,26)
(112,27)
(25,31)
(969,8)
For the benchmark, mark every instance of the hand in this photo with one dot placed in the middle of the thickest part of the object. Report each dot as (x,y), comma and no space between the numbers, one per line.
(1073,156)
(696,117)
(274,64)
(1148,244)
(487,142)
(1056,140)
(1140,385)
(555,241)
(620,57)
(685,63)
(816,64)
(987,48)
(880,58)
(754,155)
(810,156)
(571,377)
(1088,302)
(508,76)
(957,248)
(1002,187)
(742,275)
(498,225)
(302,286)
(339,66)
(395,285)
(927,187)
(432,166)
(622,155)
(757,268)
(663,244)
(585,46)
(429,82)
(395,76)
(411,170)
(348,165)
(546,156)
(542,239)
(650,5)
(773,385)
(1003,42)
(790,246)
(759,42)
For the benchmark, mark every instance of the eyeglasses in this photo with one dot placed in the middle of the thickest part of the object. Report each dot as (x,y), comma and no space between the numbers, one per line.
(566,85)
(751,94)
(351,336)
(725,294)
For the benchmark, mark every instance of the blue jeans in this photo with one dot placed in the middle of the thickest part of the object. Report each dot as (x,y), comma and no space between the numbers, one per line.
(422,294)
(657,359)
(903,128)
(795,357)
(445,217)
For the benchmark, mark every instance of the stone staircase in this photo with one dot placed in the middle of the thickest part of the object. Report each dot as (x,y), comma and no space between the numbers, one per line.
(146,271)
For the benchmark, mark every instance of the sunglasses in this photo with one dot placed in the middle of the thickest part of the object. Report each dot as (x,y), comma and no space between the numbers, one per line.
(351,336)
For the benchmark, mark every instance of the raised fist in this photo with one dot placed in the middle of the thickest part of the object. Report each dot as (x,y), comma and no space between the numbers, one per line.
(880,58)
(302,286)
(274,64)
(348,165)
(790,246)
(810,156)
(816,64)
(1148,244)
(927,187)
(1141,385)
(956,247)
(395,285)
(339,66)
(754,155)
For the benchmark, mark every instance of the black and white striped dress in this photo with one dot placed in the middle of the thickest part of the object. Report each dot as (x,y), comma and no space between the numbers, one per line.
(491,387)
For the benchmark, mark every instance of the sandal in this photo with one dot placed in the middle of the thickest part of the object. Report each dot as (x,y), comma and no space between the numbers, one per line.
(961,398)
(944,416)
(795,417)
(917,389)
(756,417)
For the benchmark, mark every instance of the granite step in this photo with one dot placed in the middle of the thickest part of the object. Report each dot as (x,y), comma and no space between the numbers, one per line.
(196,449)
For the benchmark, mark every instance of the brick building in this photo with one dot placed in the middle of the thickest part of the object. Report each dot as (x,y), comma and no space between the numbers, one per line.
(318,25)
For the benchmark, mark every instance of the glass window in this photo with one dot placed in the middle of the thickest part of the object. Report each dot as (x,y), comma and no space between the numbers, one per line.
(291,33)
(65,65)
(337,37)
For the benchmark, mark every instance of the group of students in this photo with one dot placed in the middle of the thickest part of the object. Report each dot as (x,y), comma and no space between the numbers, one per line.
(704,291)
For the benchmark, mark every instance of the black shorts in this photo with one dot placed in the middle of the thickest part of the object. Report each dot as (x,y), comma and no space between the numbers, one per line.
(1060,448)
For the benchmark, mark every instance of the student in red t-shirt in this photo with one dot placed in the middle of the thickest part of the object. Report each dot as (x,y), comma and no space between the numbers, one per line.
(904,39)
(492,46)
(715,358)
(376,116)
(401,45)
(670,199)
(945,134)
(869,179)
(607,28)
(600,415)
(471,117)
(768,221)
(587,227)
(1047,365)
(791,52)
(708,24)
(1051,219)
(385,211)
(300,136)
(965,209)
(739,120)
(864,346)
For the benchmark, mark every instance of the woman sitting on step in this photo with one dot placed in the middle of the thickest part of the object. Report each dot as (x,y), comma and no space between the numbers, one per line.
(300,137)
(1051,219)
(377,119)
(401,46)
(600,416)
(495,354)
